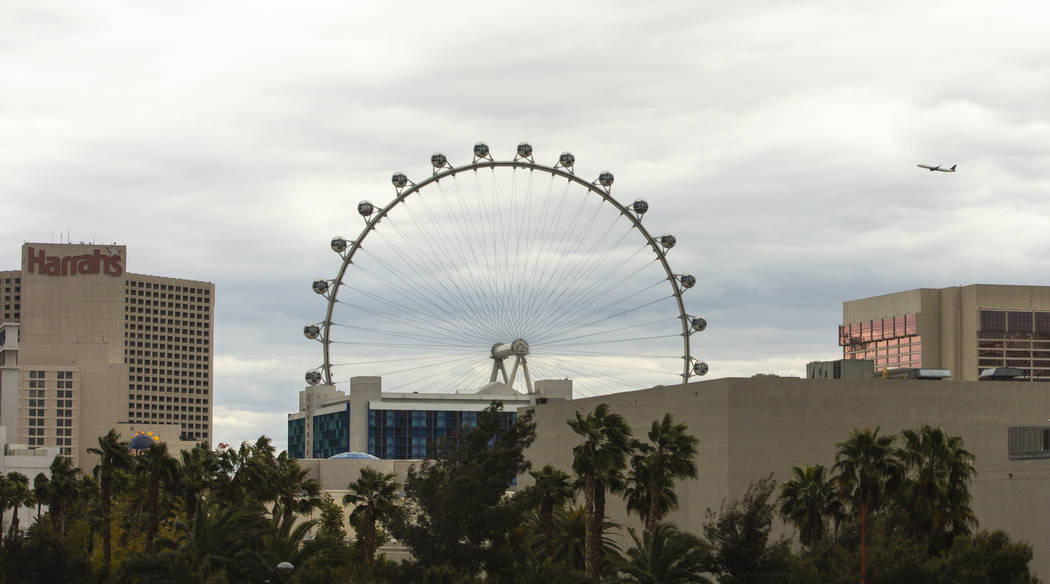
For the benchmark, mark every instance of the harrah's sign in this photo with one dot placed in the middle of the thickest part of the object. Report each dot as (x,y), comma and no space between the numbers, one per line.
(38,262)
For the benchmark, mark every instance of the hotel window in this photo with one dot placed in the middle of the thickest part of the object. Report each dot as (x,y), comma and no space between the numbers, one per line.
(1015,338)
(890,342)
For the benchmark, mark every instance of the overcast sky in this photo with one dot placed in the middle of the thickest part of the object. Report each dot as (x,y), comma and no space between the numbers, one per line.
(778,141)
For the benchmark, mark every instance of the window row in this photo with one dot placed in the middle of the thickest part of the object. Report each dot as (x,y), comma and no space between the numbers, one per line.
(164,287)
(875,330)
(1025,321)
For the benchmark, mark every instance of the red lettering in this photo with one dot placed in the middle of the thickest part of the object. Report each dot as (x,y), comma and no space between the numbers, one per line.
(38,262)
(35,260)
(53,266)
(113,267)
(85,264)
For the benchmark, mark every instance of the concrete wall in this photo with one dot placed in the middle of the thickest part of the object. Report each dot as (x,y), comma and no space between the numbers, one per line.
(749,428)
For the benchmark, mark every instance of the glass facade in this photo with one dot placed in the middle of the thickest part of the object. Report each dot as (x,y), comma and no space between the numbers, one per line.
(297,438)
(415,434)
(1015,338)
(331,433)
(890,342)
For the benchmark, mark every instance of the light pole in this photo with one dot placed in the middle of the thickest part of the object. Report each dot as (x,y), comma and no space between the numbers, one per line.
(284,569)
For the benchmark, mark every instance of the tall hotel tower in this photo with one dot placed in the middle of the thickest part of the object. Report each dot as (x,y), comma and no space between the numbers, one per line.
(88,347)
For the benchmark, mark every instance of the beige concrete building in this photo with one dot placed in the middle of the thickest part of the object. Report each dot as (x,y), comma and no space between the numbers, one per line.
(98,346)
(965,329)
(749,428)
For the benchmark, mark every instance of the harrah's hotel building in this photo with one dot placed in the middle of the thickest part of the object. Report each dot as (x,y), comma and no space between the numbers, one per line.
(99,347)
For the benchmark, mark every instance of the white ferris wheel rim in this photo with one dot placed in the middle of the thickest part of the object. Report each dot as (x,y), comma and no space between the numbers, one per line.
(442,169)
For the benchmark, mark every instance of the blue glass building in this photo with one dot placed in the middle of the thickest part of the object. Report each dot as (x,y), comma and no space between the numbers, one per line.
(398,426)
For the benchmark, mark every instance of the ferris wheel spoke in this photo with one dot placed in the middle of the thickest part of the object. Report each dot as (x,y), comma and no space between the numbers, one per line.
(569,258)
(444,330)
(374,343)
(451,378)
(442,314)
(425,357)
(433,249)
(596,364)
(493,297)
(571,318)
(623,340)
(507,222)
(447,262)
(540,341)
(438,284)
(533,255)
(403,312)
(414,293)
(538,256)
(421,262)
(587,295)
(430,365)
(596,380)
(461,246)
(594,293)
(584,353)
(522,244)
(574,321)
(499,237)
(446,340)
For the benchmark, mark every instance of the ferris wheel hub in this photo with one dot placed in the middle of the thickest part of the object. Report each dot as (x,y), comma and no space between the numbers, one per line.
(518,348)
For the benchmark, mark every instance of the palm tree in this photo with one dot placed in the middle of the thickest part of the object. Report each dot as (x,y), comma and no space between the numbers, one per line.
(6,494)
(41,492)
(570,537)
(285,539)
(599,461)
(198,471)
(293,490)
(217,546)
(161,468)
(664,555)
(553,489)
(64,489)
(669,455)
(113,456)
(18,495)
(374,495)
(865,472)
(936,492)
(807,501)
(245,474)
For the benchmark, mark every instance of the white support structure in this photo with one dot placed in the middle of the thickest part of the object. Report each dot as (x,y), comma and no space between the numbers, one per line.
(518,349)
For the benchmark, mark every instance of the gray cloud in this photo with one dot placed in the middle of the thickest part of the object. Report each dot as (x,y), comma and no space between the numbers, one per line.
(777,142)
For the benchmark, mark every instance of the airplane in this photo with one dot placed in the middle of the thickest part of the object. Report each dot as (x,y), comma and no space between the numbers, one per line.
(937,168)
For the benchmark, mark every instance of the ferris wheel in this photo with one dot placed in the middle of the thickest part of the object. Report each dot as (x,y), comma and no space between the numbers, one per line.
(510,271)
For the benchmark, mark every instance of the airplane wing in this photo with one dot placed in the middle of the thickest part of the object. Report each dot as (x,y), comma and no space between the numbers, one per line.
(928,167)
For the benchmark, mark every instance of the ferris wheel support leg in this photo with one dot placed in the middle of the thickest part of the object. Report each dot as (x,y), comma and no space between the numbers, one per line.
(525,371)
(497,367)
(514,372)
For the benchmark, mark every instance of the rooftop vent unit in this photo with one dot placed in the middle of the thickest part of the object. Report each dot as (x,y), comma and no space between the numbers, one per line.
(1001,374)
(935,374)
